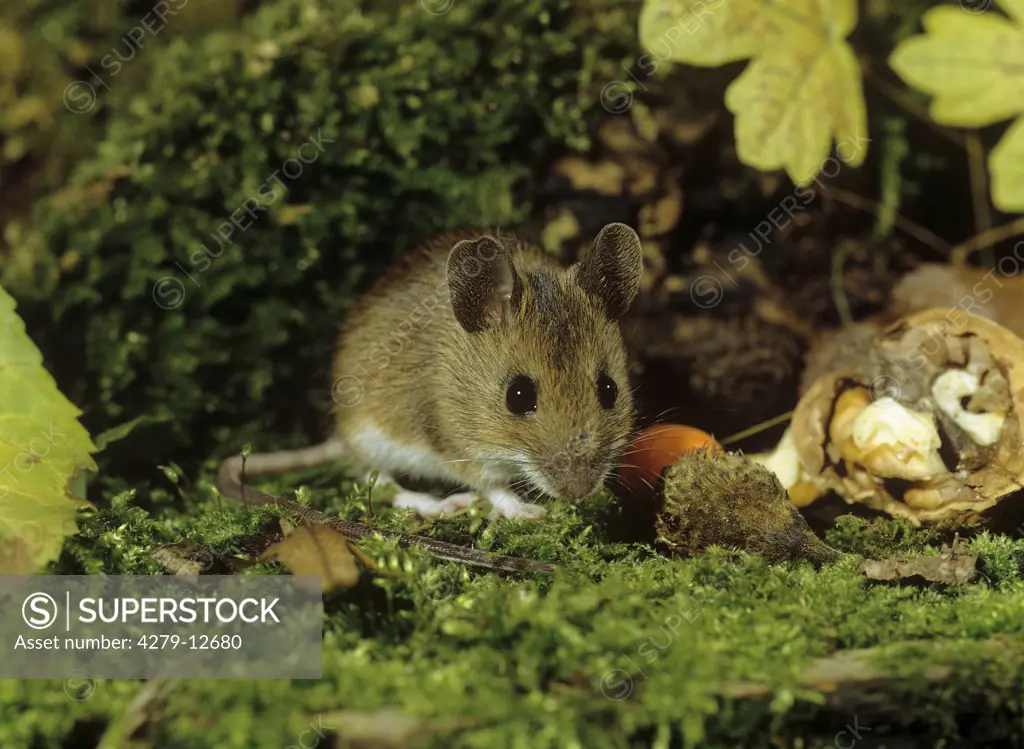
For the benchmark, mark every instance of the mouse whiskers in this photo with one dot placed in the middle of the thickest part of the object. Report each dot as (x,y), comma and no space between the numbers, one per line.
(619,481)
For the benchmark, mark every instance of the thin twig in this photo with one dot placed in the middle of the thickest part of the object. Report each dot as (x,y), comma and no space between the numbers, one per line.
(911,107)
(836,282)
(913,229)
(749,432)
(959,254)
(369,500)
(979,190)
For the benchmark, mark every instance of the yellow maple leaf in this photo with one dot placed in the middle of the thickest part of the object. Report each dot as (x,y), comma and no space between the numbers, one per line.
(703,32)
(802,90)
(1006,164)
(42,446)
(973,66)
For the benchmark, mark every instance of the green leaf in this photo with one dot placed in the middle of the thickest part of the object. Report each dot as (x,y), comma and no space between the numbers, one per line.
(790,104)
(703,32)
(42,446)
(802,90)
(973,66)
(1006,163)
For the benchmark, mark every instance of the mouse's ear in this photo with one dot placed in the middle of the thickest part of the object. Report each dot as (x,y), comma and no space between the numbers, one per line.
(485,288)
(610,270)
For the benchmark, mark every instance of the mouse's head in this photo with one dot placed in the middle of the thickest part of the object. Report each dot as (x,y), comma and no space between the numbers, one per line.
(541,381)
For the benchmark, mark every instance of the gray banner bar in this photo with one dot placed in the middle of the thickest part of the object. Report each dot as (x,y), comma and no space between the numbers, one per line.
(156,626)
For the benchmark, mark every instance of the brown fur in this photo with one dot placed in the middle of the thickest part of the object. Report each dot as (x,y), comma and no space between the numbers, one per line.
(410,370)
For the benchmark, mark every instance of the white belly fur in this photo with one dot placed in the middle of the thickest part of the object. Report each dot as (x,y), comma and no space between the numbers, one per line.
(392,458)
(384,454)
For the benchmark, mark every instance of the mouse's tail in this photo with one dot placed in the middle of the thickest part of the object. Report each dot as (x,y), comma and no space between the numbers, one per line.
(236,471)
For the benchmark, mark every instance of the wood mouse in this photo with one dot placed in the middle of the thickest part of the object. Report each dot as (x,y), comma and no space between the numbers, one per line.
(482,364)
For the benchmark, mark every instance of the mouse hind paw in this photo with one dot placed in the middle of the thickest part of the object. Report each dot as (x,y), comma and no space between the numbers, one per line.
(504,502)
(429,506)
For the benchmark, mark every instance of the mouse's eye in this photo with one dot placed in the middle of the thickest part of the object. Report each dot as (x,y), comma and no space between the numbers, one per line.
(607,391)
(521,396)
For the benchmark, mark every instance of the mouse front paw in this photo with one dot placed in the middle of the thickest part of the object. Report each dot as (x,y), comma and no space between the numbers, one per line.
(507,504)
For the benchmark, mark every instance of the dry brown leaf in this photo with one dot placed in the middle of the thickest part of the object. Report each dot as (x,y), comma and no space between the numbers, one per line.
(951,567)
(316,550)
(186,558)
(604,177)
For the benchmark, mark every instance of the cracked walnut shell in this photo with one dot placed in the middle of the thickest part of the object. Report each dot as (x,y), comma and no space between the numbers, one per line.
(925,424)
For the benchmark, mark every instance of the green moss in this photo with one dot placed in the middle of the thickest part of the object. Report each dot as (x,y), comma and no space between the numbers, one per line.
(421,123)
(881,537)
(545,660)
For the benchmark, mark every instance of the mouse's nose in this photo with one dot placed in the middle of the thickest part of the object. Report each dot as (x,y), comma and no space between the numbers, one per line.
(574,473)
(577,484)
(573,468)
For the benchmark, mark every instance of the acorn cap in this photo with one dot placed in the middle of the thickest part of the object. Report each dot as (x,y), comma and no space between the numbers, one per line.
(722,499)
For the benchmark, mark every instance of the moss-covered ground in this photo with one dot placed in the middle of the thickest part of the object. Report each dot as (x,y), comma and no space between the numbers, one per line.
(620,648)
